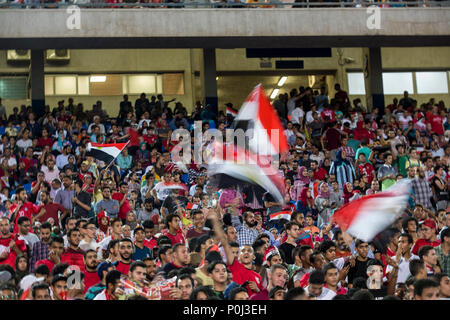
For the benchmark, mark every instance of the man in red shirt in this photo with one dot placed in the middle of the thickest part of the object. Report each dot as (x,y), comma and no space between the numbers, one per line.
(429,231)
(124,203)
(436,121)
(22,207)
(174,233)
(90,269)
(10,244)
(73,255)
(319,173)
(242,270)
(126,250)
(365,168)
(51,209)
(150,240)
(333,138)
(55,251)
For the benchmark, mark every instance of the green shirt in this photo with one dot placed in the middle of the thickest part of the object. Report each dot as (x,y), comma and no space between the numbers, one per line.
(444,261)
(364,150)
(401,164)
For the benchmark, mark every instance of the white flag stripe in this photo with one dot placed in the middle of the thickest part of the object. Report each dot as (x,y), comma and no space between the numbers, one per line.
(113,151)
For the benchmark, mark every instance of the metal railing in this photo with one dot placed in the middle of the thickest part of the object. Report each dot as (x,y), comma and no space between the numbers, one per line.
(32,4)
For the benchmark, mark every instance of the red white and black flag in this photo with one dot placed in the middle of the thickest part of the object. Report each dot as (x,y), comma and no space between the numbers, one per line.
(105,152)
(366,217)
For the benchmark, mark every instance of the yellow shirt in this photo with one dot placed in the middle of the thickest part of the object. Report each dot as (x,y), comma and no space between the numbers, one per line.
(206,280)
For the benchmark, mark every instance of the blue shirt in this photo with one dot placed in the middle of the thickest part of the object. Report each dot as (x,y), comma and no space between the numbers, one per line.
(141,254)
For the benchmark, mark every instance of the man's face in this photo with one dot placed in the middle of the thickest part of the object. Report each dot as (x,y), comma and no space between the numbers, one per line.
(106,193)
(124,189)
(138,275)
(250,220)
(219,274)
(319,262)
(300,219)
(149,233)
(71,224)
(117,227)
(431,293)
(151,268)
(23,196)
(444,287)
(175,223)
(42,294)
(57,248)
(279,295)
(330,254)
(125,250)
(199,221)
(404,245)
(315,289)
(235,252)
(139,236)
(91,260)
(232,234)
(294,232)
(241,296)
(332,277)
(45,234)
(58,288)
(428,233)
(185,285)
(363,249)
(181,255)
(309,221)
(313,166)
(25,227)
(430,258)
(74,238)
(246,255)
(279,277)
(412,226)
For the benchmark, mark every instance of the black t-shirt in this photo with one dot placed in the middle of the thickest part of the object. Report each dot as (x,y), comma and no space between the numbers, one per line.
(379,294)
(269,198)
(287,249)
(358,271)
(171,204)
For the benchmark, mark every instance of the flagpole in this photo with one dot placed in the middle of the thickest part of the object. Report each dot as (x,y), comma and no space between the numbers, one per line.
(117,155)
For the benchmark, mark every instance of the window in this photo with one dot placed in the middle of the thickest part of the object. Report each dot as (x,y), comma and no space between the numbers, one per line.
(83,85)
(356,83)
(431,82)
(141,83)
(173,84)
(111,86)
(397,82)
(65,85)
(13,87)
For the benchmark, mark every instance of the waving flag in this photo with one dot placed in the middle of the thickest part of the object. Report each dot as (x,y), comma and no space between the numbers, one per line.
(366,217)
(105,152)
(281,215)
(232,165)
(258,114)
(231,112)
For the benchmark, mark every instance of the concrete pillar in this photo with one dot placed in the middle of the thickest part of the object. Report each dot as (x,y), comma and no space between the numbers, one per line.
(37,82)
(373,79)
(209,78)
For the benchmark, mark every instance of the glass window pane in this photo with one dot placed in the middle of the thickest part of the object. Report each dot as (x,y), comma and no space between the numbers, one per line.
(13,88)
(173,84)
(397,82)
(141,83)
(159,83)
(83,85)
(65,85)
(431,82)
(110,87)
(356,83)
(48,85)
(124,84)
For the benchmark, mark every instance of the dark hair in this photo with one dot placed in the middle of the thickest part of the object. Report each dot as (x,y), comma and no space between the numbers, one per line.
(258,244)
(185,276)
(22,219)
(293,293)
(148,224)
(60,268)
(56,239)
(186,270)
(391,297)
(408,236)
(58,277)
(176,246)
(212,256)
(214,264)
(423,284)
(445,233)
(358,242)
(69,233)
(42,269)
(170,217)
(136,264)
(359,283)
(415,266)
(39,286)
(234,244)
(328,266)
(114,220)
(363,294)
(112,277)
(423,251)
(406,220)
(162,250)
(46,225)
(341,296)
(375,262)
(317,277)
(289,225)
(235,291)
(87,251)
(439,276)
(327,244)
(112,244)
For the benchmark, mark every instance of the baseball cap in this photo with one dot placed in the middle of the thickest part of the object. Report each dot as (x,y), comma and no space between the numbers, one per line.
(104,267)
(430,223)
(85,162)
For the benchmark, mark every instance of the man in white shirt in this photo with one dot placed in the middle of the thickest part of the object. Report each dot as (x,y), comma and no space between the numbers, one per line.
(403,257)
(316,288)
(297,115)
(310,114)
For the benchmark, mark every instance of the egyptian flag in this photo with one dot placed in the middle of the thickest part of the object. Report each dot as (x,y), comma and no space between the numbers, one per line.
(105,152)
(281,215)
(258,114)
(231,165)
(366,217)
(230,111)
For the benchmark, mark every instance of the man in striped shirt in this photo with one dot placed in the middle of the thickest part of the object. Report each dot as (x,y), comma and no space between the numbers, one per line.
(40,249)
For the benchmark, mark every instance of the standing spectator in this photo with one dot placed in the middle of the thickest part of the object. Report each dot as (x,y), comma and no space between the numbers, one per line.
(343,169)
(387,173)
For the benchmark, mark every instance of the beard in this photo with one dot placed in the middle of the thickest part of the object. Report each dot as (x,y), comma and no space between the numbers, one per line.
(252,224)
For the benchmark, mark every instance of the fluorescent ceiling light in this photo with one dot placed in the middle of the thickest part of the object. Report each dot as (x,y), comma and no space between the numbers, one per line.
(274,93)
(282,81)
(97,79)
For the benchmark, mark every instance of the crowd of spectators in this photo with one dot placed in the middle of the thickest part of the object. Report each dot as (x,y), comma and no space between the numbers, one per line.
(73,227)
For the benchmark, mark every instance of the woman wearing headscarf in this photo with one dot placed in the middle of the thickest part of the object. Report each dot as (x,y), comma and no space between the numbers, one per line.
(301,182)
(324,205)
(349,194)
(342,169)
(306,202)
(143,155)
